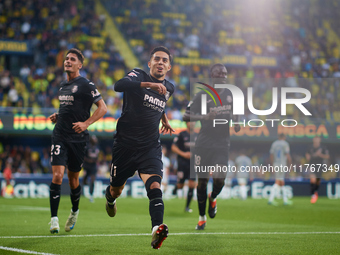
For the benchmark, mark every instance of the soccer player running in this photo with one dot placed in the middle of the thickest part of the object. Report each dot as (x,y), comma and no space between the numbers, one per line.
(182,144)
(76,96)
(279,156)
(90,164)
(212,144)
(317,154)
(136,144)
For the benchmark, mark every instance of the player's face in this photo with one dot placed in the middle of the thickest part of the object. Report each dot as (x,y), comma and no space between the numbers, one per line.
(219,74)
(316,141)
(159,65)
(72,64)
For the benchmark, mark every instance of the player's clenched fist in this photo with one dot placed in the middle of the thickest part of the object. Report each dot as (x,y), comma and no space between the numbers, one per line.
(54,117)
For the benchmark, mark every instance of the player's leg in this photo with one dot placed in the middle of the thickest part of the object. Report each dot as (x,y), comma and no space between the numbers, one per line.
(315,188)
(242,182)
(273,191)
(156,208)
(58,162)
(180,183)
(92,179)
(218,184)
(57,179)
(76,154)
(286,201)
(202,202)
(192,186)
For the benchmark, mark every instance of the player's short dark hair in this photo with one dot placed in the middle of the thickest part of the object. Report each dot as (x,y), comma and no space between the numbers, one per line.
(78,53)
(213,66)
(161,48)
(282,135)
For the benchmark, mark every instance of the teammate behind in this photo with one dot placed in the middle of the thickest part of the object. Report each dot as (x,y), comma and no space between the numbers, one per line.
(317,154)
(182,146)
(166,169)
(279,156)
(212,143)
(243,161)
(76,96)
(90,164)
(136,144)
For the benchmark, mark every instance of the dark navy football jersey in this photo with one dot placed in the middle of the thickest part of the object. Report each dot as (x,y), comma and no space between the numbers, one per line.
(91,156)
(76,98)
(138,126)
(317,159)
(185,142)
(210,136)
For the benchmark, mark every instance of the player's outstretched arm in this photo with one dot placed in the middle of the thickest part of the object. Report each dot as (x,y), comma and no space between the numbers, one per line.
(166,127)
(54,117)
(98,113)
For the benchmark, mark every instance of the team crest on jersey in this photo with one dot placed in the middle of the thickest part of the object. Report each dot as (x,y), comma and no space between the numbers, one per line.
(229,99)
(132,74)
(74,89)
(167,95)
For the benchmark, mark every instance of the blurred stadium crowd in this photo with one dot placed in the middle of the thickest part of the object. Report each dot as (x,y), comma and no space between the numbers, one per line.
(301,35)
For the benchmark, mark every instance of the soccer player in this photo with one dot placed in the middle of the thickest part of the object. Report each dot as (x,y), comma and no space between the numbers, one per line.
(316,155)
(136,144)
(212,143)
(90,164)
(76,96)
(279,156)
(182,144)
(243,161)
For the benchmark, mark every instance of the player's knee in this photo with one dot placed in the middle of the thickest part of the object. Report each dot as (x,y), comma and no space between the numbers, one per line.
(154,182)
(202,184)
(57,178)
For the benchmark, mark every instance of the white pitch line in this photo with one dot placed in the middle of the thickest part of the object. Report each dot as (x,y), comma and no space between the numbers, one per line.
(175,234)
(24,251)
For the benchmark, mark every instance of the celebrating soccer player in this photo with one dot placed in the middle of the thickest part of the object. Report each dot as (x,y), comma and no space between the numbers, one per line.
(212,144)
(136,144)
(76,96)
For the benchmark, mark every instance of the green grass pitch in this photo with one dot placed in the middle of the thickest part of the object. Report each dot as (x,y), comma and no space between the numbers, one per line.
(240,227)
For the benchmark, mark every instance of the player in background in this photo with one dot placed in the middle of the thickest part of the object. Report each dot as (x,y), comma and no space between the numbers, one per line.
(212,143)
(182,144)
(241,162)
(76,96)
(136,145)
(317,154)
(90,164)
(279,156)
(166,169)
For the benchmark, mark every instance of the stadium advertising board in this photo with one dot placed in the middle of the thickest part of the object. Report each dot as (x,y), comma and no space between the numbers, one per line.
(15,47)
(39,188)
(41,124)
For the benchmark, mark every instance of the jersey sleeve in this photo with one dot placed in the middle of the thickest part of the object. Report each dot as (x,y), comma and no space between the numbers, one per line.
(194,106)
(93,92)
(130,81)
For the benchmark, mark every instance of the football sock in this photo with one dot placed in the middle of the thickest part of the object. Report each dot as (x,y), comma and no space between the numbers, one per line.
(180,193)
(217,187)
(316,187)
(109,198)
(312,188)
(202,200)
(284,194)
(243,191)
(54,198)
(273,191)
(202,218)
(156,206)
(91,188)
(75,197)
(174,191)
(189,197)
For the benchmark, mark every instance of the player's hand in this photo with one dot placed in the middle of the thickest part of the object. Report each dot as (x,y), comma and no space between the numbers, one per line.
(79,127)
(54,117)
(159,87)
(166,127)
(210,116)
(237,128)
(186,155)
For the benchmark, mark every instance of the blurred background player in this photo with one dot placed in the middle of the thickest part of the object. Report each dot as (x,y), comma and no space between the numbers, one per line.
(76,96)
(182,144)
(90,164)
(212,143)
(166,169)
(279,156)
(317,154)
(242,162)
